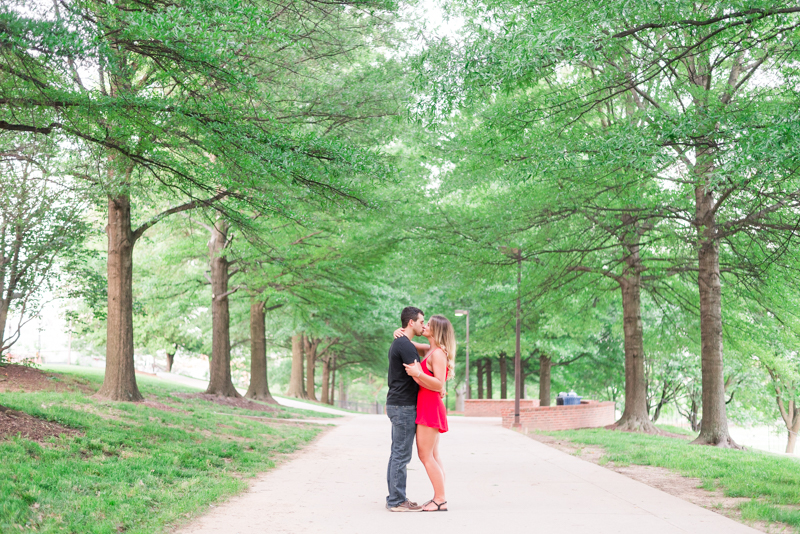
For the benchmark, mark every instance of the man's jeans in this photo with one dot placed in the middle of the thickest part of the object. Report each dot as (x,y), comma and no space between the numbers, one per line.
(404,427)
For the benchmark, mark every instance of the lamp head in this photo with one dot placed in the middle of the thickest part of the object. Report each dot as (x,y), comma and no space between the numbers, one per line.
(460,313)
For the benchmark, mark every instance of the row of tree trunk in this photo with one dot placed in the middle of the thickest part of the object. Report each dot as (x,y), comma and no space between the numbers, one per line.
(306,352)
(484,372)
(220,274)
(121,384)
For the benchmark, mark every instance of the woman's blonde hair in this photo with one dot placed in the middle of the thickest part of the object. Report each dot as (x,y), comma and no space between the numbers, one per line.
(442,332)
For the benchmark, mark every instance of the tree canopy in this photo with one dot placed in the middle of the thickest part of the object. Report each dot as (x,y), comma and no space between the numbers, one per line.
(277,180)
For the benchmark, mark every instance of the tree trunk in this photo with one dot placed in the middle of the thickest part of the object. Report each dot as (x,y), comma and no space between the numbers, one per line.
(220,366)
(170,361)
(714,429)
(488,372)
(310,347)
(119,383)
(342,391)
(545,366)
(296,387)
(503,376)
(791,416)
(790,444)
(635,418)
(4,305)
(479,371)
(461,392)
(326,377)
(333,380)
(693,417)
(259,380)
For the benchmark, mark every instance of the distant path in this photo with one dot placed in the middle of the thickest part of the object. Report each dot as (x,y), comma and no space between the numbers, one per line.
(289,403)
(498,481)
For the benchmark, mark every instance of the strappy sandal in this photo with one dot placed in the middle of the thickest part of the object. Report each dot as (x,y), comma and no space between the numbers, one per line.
(438,506)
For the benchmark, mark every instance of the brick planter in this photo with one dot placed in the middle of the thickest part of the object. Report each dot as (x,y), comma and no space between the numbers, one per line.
(588,414)
(494,407)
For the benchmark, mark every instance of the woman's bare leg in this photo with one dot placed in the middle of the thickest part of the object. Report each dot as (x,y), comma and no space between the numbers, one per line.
(436,457)
(426,444)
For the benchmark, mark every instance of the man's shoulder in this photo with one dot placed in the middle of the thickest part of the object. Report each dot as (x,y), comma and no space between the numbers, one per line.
(401,343)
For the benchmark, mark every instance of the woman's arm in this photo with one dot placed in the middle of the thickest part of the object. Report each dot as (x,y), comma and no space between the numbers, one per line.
(439,365)
(435,382)
(422,348)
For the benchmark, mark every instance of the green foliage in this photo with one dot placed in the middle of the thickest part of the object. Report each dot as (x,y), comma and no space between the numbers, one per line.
(42,229)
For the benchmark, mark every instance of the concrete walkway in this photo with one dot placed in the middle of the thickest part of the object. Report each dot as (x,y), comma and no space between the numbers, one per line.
(291,403)
(498,481)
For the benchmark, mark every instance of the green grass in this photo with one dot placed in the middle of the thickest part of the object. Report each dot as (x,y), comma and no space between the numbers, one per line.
(771,482)
(95,375)
(678,430)
(136,469)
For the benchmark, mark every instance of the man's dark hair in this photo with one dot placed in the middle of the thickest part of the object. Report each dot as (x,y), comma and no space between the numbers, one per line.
(409,313)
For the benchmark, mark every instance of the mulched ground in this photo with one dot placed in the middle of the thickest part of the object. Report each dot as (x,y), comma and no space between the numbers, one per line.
(160,406)
(240,402)
(20,378)
(13,422)
(28,379)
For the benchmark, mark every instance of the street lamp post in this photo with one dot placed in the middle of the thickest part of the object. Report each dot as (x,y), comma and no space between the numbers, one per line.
(460,313)
(516,254)
(517,353)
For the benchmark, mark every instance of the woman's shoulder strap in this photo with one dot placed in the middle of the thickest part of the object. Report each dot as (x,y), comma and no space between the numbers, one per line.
(434,351)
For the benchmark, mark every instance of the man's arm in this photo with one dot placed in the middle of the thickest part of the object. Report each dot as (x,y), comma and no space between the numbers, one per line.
(410,357)
(408,353)
(435,382)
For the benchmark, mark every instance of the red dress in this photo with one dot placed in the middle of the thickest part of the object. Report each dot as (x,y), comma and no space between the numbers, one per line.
(430,408)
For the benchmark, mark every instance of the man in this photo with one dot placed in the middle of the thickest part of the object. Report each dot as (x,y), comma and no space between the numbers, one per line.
(401,407)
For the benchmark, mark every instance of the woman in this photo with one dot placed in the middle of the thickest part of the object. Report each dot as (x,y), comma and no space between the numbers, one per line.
(438,363)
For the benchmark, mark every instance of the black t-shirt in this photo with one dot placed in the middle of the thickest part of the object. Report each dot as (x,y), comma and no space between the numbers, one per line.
(402,388)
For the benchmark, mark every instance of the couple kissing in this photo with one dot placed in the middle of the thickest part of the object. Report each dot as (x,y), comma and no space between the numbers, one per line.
(414,404)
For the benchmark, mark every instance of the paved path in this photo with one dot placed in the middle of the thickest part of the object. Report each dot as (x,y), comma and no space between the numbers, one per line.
(291,403)
(498,481)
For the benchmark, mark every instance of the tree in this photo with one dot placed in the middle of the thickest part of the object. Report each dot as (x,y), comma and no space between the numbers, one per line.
(691,73)
(259,383)
(296,383)
(161,107)
(220,382)
(41,229)
(767,319)
(786,396)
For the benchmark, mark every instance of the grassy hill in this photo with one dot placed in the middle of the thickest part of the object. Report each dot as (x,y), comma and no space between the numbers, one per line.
(125,467)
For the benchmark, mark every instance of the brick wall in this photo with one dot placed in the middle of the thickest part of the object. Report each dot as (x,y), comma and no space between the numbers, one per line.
(588,414)
(494,407)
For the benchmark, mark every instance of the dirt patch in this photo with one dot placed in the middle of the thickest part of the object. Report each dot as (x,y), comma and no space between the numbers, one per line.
(13,423)
(686,488)
(109,414)
(21,378)
(159,406)
(589,453)
(234,402)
